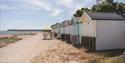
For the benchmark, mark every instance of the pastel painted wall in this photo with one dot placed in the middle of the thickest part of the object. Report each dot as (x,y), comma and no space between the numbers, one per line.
(110,34)
(71,29)
(61,30)
(67,29)
(81,29)
(88,26)
(74,29)
(89,29)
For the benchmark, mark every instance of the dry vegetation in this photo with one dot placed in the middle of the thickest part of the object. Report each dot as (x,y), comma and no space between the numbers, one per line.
(8,40)
(65,53)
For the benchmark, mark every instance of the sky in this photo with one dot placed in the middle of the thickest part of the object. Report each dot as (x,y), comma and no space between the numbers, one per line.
(38,14)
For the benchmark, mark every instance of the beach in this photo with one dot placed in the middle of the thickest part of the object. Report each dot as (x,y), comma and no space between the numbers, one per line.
(9,37)
(34,49)
(29,50)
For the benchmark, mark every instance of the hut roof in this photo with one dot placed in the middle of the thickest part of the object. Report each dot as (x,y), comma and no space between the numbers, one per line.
(105,16)
(65,23)
(55,26)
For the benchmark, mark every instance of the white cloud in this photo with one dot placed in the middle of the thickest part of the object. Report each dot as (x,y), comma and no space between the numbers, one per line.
(46,5)
(71,5)
(66,3)
(56,12)
(40,3)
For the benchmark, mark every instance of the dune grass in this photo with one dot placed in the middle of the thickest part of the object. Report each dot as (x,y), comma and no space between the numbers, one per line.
(7,40)
(107,60)
(108,56)
(10,40)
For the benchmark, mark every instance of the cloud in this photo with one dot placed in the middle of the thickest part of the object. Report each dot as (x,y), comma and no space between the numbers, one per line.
(65,3)
(56,12)
(69,6)
(46,5)
(40,3)
(76,8)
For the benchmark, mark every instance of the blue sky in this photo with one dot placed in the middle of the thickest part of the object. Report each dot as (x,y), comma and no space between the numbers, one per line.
(38,14)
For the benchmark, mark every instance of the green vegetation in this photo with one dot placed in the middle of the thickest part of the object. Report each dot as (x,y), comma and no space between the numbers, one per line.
(7,40)
(108,56)
(111,52)
(80,12)
(10,40)
(107,60)
(118,60)
(29,34)
(105,6)
(109,6)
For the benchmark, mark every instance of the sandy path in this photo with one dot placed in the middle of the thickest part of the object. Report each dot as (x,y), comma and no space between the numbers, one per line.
(23,51)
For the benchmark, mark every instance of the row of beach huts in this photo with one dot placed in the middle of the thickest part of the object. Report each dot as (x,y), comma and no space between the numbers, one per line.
(93,31)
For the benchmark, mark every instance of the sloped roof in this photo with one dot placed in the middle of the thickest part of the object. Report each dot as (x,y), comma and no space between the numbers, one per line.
(105,16)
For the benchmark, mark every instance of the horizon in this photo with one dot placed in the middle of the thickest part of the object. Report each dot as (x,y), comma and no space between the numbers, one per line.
(38,14)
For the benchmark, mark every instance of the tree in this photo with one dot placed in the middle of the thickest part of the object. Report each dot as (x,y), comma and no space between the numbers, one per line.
(120,7)
(94,8)
(105,8)
(109,6)
(109,1)
(102,8)
(80,12)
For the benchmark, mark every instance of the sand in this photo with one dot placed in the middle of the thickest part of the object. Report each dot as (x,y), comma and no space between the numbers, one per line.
(32,48)
(22,51)
(3,36)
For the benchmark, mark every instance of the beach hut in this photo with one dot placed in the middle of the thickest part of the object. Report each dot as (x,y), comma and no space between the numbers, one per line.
(53,30)
(75,36)
(56,31)
(62,31)
(103,31)
(67,31)
(71,32)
